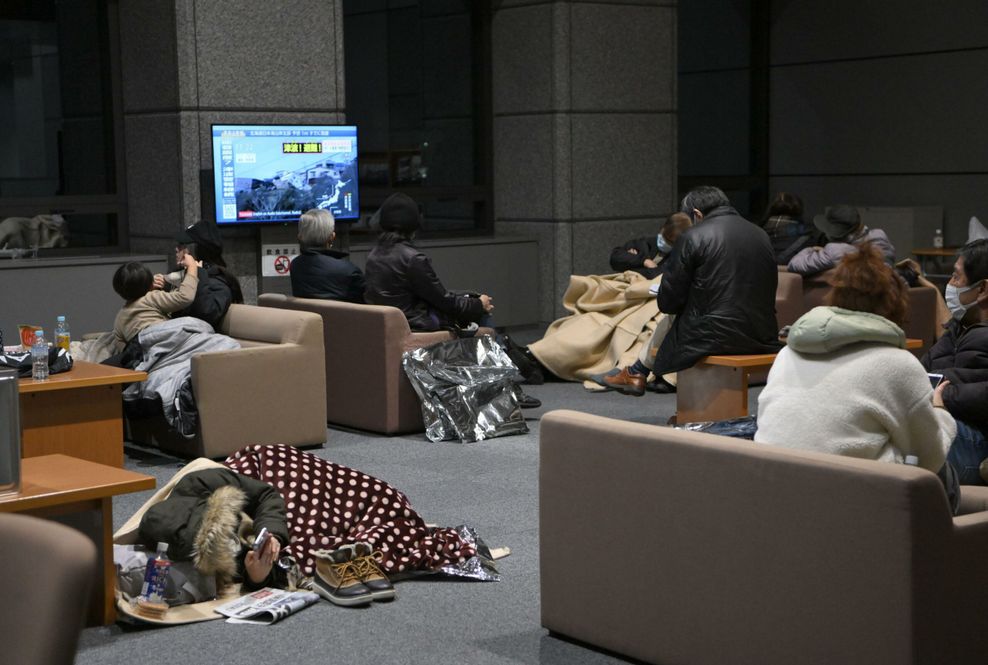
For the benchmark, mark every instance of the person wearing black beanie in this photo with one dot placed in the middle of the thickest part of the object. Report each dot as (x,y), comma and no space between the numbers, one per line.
(400,275)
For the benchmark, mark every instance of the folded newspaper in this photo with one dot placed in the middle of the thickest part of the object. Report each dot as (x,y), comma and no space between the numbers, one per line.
(266,606)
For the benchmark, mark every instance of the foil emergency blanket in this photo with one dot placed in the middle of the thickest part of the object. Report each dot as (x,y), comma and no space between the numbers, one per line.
(467,387)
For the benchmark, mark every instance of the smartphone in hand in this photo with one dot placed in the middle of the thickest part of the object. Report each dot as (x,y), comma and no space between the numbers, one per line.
(935,380)
(261,540)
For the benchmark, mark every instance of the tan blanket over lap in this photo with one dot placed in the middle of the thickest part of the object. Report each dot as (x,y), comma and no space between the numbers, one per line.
(613,317)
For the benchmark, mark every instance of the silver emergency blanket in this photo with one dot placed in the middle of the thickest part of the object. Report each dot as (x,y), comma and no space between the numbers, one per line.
(480,567)
(467,387)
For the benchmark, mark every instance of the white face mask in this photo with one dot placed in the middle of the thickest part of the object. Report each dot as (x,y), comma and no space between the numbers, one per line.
(662,244)
(953,297)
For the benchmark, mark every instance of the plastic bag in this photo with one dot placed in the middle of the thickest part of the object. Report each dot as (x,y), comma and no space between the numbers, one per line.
(467,388)
(739,428)
(58,361)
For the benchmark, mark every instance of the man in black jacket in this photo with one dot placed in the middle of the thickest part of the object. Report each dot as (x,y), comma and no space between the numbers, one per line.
(720,282)
(320,271)
(961,356)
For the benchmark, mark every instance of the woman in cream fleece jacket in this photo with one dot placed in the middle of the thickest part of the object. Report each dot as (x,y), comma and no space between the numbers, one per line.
(845,383)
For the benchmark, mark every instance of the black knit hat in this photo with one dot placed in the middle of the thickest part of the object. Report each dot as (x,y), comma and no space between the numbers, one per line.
(204,234)
(399,212)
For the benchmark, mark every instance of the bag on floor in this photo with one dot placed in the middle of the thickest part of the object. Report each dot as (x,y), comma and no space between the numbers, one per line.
(468,389)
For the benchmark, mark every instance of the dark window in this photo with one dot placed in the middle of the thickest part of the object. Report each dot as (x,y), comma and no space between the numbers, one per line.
(723,99)
(58,153)
(418,89)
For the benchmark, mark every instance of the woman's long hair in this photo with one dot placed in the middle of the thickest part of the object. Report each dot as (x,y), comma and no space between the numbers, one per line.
(863,281)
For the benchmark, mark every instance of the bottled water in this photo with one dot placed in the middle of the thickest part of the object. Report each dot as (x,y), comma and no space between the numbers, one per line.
(62,336)
(39,357)
(156,576)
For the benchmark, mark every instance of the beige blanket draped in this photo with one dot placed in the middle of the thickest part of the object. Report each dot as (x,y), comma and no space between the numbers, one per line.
(613,318)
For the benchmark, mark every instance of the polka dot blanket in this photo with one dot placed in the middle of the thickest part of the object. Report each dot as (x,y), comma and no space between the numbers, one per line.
(331,505)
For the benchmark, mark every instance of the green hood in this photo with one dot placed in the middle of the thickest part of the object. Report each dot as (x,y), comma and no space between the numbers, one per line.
(826,329)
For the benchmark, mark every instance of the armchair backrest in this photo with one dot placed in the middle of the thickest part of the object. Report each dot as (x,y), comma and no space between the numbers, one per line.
(47,573)
(744,553)
(363,349)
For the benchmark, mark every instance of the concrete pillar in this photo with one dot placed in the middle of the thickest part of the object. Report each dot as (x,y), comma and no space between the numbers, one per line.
(187,65)
(584,129)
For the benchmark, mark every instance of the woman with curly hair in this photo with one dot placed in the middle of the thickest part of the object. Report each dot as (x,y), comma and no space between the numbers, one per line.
(845,383)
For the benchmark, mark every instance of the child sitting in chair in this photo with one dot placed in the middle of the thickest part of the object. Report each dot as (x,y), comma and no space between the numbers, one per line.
(145,306)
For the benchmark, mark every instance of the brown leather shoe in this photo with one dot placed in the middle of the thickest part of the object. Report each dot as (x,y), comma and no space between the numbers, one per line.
(622,381)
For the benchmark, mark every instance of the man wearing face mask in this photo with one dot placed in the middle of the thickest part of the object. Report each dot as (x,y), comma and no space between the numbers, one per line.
(643,255)
(961,355)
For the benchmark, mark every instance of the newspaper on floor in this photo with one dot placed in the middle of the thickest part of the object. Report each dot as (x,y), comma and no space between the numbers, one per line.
(266,606)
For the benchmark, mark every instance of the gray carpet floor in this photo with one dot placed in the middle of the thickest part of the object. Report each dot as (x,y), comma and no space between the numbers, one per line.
(492,485)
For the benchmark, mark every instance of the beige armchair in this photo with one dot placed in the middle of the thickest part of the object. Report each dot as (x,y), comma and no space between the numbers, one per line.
(270,391)
(45,580)
(367,387)
(671,546)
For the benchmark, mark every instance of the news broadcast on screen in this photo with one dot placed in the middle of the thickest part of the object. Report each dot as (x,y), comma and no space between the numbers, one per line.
(274,173)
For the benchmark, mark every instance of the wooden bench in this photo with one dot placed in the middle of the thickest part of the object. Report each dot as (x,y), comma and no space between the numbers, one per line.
(716,388)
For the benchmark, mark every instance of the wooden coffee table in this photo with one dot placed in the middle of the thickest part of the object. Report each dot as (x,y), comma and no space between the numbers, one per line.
(77,413)
(78,493)
(716,388)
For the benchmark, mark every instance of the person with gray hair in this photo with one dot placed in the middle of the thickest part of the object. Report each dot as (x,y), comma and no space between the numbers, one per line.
(720,281)
(319,271)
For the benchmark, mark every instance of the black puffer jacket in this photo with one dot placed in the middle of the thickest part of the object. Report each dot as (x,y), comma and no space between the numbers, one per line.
(720,281)
(214,295)
(645,248)
(401,276)
(326,274)
(961,355)
(200,519)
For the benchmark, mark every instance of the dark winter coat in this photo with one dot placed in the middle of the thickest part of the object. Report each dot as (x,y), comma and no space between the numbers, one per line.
(789,236)
(200,520)
(214,295)
(961,355)
(401,276)
(326,274)
(720,282)
(645,248)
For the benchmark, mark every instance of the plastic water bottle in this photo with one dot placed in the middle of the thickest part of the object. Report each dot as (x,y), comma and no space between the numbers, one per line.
(39,356)
(62,336)
(938,239)
(156,576)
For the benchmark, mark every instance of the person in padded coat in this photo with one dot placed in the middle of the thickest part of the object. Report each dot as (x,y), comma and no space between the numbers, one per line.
(202,520)
(319,271)
(720,282)
(400,275)
(961,356)
(645,255)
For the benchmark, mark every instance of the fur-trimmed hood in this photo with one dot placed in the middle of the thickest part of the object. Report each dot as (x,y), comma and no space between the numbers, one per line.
(202,516)
(216,543)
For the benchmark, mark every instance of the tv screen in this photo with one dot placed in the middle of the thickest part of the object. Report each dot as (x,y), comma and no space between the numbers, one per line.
(274,173)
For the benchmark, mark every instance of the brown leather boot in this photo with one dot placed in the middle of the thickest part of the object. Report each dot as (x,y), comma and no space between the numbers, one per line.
(337,578)
(371,575)
(621,380)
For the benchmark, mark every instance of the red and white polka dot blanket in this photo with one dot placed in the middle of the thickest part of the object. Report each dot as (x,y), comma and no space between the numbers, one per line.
(331,505)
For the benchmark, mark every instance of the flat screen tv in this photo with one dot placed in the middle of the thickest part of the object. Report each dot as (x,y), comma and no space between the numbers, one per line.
(274,173)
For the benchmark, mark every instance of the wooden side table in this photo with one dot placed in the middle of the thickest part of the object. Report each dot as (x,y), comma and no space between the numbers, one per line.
(931,256)
(78,493)
(77,413)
